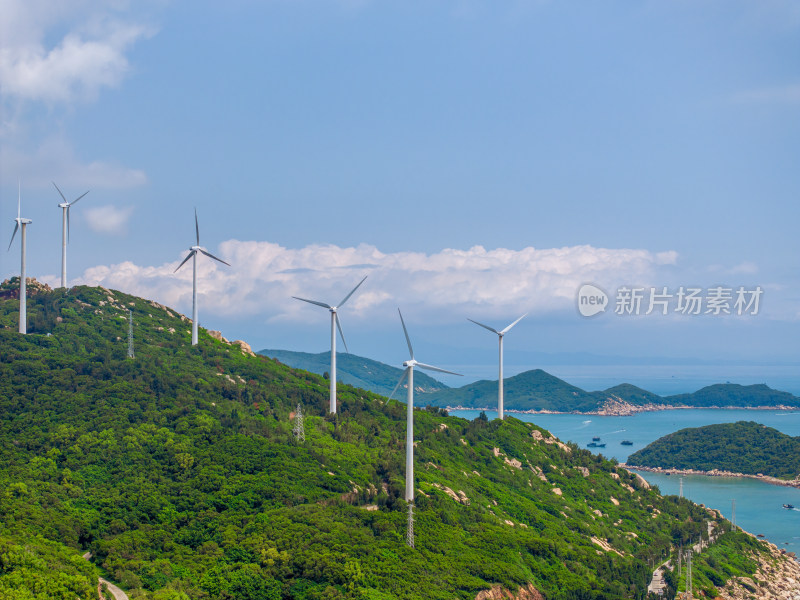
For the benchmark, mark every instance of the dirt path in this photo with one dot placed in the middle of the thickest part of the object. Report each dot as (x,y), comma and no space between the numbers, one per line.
(115,591)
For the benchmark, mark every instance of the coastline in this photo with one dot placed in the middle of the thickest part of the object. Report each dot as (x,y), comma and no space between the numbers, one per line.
(622,409)
(795,483)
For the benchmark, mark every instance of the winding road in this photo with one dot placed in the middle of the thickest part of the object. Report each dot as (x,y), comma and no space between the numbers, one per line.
(115,591)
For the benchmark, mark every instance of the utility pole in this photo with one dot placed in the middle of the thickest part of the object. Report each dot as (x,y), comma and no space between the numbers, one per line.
(689,573)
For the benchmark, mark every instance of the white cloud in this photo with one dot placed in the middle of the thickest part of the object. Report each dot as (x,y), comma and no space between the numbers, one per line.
(108,219)
(52,55)
(787,94)
(55,160)
(89,56)
(450,284)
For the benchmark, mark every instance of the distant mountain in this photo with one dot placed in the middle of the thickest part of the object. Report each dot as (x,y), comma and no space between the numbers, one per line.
(538,390)
(357,371)
(743,447)
(732,394)
(631,394)
(531,390)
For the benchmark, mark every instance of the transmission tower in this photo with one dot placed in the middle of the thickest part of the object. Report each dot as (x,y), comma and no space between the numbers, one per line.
(299,429)
(410,528)
(689,572)
(130,334)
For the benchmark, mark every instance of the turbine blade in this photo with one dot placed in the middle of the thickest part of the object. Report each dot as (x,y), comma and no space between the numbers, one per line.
(196,227)
(399,383)
(188,256)
(492,329)
(339,326)
(322,304)
(59,191)
(408,341)
(214,257)
(12,236)
(346,298)
(514,323)
(79,197)
(432,368)
(68,205)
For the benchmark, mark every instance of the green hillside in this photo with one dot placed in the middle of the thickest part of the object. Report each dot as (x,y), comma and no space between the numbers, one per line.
(631,394)
(531,390)
(731,394)
(357,371)
(743,447)
(178,470)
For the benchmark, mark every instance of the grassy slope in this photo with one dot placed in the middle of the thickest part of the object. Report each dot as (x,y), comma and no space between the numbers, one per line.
(355,370)
(179,471)
(743,447)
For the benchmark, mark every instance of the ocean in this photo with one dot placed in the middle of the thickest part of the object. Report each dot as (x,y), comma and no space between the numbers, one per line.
(758,505)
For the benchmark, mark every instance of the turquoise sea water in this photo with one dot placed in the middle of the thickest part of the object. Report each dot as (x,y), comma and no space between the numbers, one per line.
(758,504)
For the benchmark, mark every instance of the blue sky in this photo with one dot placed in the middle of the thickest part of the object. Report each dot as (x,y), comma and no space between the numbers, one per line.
(476,159)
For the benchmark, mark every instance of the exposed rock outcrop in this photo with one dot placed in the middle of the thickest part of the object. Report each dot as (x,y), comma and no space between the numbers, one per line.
(777,578)
(499,593)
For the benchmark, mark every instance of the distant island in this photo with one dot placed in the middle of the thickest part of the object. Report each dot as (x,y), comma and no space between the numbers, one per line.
(535,391)
(745,448)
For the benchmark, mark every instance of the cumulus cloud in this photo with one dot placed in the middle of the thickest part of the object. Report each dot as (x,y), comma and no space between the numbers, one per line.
(90,56)
(108,219)
(450,283)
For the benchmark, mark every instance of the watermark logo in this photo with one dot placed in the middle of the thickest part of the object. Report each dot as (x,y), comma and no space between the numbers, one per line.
(591,300)
(685,300)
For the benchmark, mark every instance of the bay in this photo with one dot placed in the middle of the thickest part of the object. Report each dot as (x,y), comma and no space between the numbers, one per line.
(758,504)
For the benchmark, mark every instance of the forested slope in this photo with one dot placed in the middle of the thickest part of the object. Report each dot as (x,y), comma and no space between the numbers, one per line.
(743,447)
(179,471)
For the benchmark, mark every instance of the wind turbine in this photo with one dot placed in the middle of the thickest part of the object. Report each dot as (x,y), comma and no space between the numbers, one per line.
(500,335)
(334,325)
(193,255)
(409,372)
(65,206)
(23,223)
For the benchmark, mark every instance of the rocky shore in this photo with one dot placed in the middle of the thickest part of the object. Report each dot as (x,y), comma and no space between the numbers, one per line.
(715,473)
(777,578)
(620,408)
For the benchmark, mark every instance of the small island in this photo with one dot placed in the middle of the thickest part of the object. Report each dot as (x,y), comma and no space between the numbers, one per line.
(744,449)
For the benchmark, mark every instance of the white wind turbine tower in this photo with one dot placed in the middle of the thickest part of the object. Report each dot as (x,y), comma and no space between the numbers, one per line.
(65,206)
(409,372)
(334,325)
(193,255)
(23,223)
(500,335)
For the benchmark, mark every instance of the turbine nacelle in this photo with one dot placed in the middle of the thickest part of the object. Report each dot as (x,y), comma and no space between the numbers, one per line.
(63,205)
(334,326)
